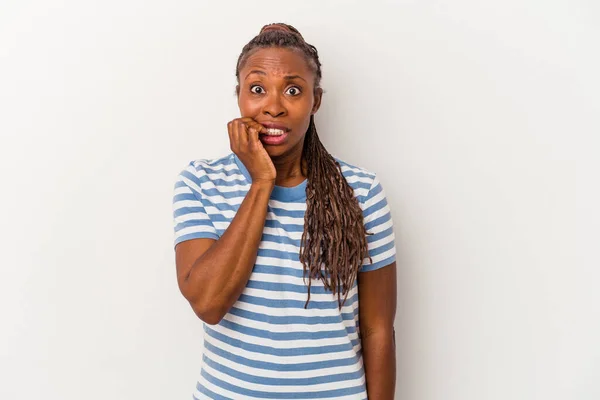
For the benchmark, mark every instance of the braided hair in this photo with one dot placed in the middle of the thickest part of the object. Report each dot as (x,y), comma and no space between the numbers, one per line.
(334,242)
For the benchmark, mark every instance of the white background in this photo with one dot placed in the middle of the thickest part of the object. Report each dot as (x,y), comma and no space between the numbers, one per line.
(480,118)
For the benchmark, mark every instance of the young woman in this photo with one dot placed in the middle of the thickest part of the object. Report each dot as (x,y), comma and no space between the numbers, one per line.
(276,241)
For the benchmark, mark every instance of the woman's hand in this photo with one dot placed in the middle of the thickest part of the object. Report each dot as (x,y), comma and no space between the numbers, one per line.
(244,142)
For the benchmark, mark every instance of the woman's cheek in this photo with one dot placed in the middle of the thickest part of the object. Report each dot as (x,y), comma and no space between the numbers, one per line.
(250,108)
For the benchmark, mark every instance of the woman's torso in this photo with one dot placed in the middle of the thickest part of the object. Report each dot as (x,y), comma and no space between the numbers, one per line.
(268,345)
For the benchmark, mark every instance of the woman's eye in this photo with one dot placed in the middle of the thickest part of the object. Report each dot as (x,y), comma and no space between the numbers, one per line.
(293,91)
(256,89)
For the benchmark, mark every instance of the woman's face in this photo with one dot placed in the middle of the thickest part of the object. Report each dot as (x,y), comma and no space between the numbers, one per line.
(277,86)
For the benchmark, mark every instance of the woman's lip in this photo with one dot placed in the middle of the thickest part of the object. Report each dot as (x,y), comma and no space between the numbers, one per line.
(273,125)
(273,140)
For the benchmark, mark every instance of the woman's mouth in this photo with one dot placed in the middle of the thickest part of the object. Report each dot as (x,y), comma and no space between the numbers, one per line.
(273,136)
(274,132)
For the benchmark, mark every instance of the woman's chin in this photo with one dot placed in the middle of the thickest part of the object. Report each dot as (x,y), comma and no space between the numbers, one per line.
(274,151)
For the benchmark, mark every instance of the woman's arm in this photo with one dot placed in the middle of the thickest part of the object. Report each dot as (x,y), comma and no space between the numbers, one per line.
(213,273)
(377,310)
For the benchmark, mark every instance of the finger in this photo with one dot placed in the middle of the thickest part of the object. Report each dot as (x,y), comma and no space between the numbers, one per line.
(252,122)
(259,127)
(256,130)
(236,134)
(243,134)
(253,132)
(230,133)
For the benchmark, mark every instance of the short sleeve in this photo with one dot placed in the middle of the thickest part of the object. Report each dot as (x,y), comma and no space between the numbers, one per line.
(378,220)
(189,216)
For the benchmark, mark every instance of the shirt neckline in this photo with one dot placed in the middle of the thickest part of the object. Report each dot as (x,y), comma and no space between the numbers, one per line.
(283,193)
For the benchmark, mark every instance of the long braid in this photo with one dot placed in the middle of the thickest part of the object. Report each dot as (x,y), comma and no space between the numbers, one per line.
(334,241)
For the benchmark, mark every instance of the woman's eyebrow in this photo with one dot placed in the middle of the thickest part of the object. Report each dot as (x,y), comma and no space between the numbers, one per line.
(287,77)
(255,71)
(290,77)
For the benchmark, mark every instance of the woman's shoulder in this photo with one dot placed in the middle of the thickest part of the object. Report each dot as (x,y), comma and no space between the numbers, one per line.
(360,179)
(213,173)
(223,168)
(367,188)
(226,162)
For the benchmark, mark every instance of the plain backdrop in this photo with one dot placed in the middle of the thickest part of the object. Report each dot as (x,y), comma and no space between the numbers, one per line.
(481,119)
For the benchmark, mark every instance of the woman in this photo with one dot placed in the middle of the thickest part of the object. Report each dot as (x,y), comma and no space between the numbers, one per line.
(276,241)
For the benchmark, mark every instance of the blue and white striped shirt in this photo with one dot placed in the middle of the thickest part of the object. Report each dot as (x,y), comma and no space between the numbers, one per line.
(268,346)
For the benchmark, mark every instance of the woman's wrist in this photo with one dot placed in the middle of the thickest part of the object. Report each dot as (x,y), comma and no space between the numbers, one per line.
(264,183)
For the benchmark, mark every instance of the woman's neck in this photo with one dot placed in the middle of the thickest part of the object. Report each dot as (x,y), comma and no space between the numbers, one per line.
(291,170)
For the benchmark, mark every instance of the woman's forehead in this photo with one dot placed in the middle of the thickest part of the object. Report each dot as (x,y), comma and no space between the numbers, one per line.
(277,61)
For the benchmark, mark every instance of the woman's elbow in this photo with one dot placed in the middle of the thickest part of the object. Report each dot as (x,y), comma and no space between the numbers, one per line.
(209,314)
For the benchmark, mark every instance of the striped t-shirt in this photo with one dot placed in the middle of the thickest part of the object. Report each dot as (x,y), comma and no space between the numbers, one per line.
(268,346)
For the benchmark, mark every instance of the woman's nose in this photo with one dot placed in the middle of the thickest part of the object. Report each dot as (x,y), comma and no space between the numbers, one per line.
(273,107)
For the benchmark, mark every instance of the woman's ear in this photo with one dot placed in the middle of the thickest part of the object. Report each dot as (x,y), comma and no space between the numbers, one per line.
(317,101)
(237,90)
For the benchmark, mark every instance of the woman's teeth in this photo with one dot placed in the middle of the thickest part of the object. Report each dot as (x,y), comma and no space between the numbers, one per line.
(274,132)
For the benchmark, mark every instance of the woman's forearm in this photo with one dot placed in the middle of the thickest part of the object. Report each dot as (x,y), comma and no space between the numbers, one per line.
(219,276)
(379,357)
